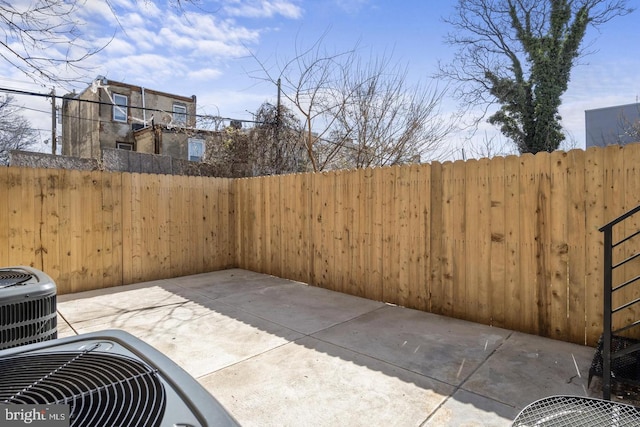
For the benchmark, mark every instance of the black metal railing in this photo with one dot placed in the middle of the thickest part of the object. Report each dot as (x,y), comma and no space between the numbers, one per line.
(612,354)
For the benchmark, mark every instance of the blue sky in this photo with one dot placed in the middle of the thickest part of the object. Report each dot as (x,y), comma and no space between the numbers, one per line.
(203,50)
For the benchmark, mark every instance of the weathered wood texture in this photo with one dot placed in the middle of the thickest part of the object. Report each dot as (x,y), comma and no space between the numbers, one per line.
(511,242)
(91,230)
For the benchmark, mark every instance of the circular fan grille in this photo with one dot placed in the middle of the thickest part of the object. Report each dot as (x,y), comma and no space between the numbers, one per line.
(10,278)
(102,389)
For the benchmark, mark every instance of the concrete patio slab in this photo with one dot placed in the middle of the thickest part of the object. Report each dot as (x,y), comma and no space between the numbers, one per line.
(472,410)
(201,339)
(439,347)
(93,306)
(310,383)
(530,367)
(279,352)
(303,308)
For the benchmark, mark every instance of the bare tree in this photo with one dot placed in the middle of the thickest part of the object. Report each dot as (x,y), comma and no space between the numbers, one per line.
(308,82)
(384,120)
(41,35)
(278,143)
(15,130)
(519,54)
(630,127)
(356,115)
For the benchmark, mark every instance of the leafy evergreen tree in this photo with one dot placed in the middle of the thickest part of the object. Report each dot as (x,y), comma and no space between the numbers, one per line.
(519,54)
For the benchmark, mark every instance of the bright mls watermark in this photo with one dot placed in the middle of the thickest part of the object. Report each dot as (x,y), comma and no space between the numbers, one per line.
(34,415)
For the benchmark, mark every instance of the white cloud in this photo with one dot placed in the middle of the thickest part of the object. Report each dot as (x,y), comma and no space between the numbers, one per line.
(117,47)
(204,74)
(264,9)
(155,71)
(352,6)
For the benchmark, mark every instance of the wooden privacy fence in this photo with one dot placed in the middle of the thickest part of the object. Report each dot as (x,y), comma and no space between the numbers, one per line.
(512,242)
(91,230)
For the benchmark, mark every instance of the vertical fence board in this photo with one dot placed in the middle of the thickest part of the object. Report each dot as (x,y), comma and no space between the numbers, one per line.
(146,228)
(528,216)
(218,210)
(339,209)
(272,212)
(5,185)
(559,207)
(350,238)
(110,230)
(482,242)
(228,222)
(513,287)
(434,223)
(47,248)
(94,230)
(419,275)
(77,219)
(449,230)
(316,230)
(162,189)
(304,219)
(595,218)
(576,241)
(138,210)
(180,260)
(358,275)
(198,223)
(402,249)
(22,200)
(287,225)
(614,197)
(13,199)
(497,247)
(328,183)
(473,224)
(127,273)
(374,284)
(459,242)
(241,201)
(542,290)
(387,178)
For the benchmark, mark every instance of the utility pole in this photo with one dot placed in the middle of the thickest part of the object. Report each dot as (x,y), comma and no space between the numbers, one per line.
(278,108)
(54,130)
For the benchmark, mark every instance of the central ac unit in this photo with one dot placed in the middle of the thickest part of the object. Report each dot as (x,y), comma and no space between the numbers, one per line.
(27,307)
(108,378)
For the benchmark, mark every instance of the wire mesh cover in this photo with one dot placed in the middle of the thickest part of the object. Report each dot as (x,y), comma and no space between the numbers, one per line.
(623,369)
(576,411)
(102,389)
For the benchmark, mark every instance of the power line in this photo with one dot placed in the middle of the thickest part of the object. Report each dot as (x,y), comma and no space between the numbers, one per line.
(49,95)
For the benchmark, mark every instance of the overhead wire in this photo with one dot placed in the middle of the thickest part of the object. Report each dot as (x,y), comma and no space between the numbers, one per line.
(90,101)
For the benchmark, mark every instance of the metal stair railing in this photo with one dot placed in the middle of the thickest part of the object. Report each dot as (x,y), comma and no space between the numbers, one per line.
(610,355)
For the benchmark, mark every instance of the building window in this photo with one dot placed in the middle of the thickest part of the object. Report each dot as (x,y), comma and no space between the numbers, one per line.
(196,149)
(124,146)
(120,108)
(180,114)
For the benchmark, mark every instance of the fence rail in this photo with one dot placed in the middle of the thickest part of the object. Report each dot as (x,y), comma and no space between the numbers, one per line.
(512,242)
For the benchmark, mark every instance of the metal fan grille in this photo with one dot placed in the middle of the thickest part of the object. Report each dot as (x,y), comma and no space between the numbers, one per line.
(12,278)
(28,321)
(102,389)
(573,411)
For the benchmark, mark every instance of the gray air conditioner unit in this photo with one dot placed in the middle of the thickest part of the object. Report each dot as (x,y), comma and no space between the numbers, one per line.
(108,378)
(27,307)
